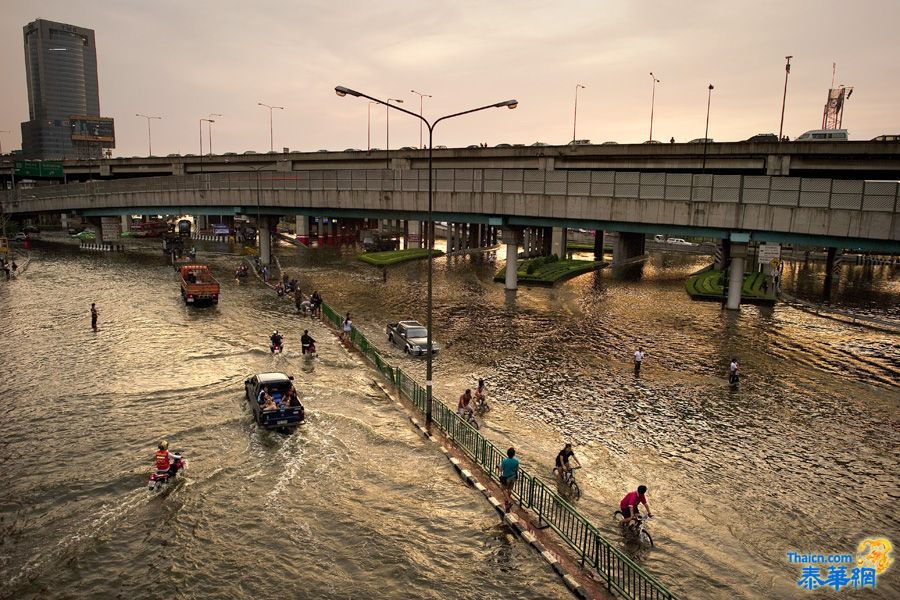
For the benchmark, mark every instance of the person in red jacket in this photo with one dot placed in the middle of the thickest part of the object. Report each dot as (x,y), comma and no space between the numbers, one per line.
(629,504)
(166,462)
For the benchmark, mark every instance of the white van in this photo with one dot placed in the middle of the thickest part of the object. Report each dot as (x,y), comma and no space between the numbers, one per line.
(824,135)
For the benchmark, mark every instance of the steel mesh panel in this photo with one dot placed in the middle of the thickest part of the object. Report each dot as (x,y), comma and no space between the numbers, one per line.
(808,184)
(756,196)
(579,188)
(786,183)
(626,190)
(846,201)
(678,192)
(602,189)
(783,197)
(878,203)
(652,191)
(881,188)
(627,178)
(603,177)
(844,186)
(534,187)
(725,194)
(814,199)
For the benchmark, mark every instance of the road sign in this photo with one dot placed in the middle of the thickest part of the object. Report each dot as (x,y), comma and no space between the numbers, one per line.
(110,229)
(38,168)
(768,252)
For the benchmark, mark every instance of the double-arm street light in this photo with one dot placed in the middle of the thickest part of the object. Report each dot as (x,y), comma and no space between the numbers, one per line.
(271,108)
(652,103)
(149,143)
(706,132)
(575,118)
(787,71)
(209,129)
(387,129)
(343,91)
(421,102)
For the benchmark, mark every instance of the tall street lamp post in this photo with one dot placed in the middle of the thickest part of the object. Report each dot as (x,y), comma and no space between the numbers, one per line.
(387,128)
(706,133)
(149,144)
(271,108)
(209,129)
(201,141)
(575,118)
(369,126)
(652,103)
(787,71)
(343,91)
(421,97)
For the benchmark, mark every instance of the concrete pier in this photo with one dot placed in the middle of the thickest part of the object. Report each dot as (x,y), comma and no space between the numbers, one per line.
(736,275)
(629,245)
(512,238)
(265,241)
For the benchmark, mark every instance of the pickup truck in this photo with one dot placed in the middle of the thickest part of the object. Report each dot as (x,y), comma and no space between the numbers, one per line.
(411,336)
(198,285)
(289,413)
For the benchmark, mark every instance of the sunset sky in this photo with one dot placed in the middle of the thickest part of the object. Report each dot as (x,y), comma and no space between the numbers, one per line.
(184,60)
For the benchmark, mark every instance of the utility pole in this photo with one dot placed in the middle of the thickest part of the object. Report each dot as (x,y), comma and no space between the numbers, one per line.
(787,71)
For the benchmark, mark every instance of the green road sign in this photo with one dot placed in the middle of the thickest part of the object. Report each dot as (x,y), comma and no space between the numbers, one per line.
(38,168)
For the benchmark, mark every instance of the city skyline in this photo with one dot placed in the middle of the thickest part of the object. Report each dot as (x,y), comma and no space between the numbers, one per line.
(185,63)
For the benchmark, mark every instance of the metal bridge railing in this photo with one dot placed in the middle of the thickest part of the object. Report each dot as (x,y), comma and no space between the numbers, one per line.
(621,575)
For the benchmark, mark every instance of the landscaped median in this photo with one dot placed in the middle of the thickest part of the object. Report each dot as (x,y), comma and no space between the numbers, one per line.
(709,285)
(548,270)
(393,257)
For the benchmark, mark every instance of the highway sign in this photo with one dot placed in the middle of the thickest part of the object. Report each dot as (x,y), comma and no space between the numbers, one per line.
(38,168)
(767,252)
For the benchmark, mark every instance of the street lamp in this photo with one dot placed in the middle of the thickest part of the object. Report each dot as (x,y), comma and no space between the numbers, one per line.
(343,91)
(209,129)
(421,97)
(149,144)
(201,141)
(706,133)
(652,103)
(387,128)
(369,126)
(271,144)
(575,119)
(787,71)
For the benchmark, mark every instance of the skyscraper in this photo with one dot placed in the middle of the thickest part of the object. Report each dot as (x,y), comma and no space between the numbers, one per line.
(61,74)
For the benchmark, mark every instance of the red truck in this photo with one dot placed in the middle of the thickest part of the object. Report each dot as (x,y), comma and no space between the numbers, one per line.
(198,286)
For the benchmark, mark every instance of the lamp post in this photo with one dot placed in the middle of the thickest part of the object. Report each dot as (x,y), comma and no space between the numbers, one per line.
(421,102)
(706,133)
(343,91)
(201,142)
(652,103)
(369,126)
(149,144)
(271,138)
(787,71)
(575,118)
(209,129)
(387,128)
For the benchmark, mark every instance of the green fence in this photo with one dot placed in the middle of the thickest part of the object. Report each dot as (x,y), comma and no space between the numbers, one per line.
(621,574)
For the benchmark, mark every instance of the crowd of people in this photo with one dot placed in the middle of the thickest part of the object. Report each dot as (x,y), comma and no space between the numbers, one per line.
(276,399)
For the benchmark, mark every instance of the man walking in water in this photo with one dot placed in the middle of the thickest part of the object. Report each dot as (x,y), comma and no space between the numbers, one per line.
(638,359)
(94,314)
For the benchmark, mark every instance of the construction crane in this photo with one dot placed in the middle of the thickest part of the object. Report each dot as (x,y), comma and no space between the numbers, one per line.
(833,116)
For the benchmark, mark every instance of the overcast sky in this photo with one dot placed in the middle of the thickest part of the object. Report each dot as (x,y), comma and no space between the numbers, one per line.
(183,60)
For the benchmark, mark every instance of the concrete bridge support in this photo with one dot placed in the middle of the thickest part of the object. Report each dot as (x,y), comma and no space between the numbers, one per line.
(629,245)
(301,226)
(414,234)
(126,223)
(736,275)
(512,238)
(265,241)
(829,273)
(201,222)
(598,244)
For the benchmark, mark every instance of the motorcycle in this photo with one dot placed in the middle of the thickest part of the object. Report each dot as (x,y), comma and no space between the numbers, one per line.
(309,349)
(276,348)
(160,479)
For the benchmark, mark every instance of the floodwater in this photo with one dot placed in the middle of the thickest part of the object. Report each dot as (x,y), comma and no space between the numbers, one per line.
(802,457)
(353,505)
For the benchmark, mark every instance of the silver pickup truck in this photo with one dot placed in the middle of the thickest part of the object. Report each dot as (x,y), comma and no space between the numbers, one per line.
(411,336)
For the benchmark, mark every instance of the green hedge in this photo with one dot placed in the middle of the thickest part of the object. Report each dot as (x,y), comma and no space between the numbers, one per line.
(547,270)
(709,285)
(393,257)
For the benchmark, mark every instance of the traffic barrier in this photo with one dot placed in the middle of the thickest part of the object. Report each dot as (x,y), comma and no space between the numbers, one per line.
(102,246)
(210,238)
(621,575)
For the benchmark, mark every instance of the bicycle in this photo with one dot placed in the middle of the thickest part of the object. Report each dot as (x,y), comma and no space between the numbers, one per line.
(481,405)
(567,477)
(637,527)
(469,417)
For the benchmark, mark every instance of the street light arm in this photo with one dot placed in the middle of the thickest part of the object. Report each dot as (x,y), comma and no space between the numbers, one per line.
(343,91)
(511,104)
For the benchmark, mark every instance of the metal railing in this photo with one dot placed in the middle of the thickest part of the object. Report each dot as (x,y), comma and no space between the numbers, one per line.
(620,573)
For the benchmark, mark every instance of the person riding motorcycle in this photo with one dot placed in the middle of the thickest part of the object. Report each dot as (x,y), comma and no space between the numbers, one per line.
(277,341)
(307,343)
(166,462)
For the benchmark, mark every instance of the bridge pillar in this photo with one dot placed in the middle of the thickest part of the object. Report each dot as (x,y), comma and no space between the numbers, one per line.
(201,222)
(126,223)
(736,275)
(414,234)
(598,244)
(829,273)
(559,242)
(265,241)
(512,237)
(302,226)
(629,245)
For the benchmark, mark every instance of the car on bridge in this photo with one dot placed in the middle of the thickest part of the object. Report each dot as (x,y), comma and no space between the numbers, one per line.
(411,336)
(288,412)
(888,137)
(763,137)
(701,141)
(824,135)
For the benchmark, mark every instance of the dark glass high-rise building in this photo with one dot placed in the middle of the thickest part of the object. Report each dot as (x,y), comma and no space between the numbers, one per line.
(61,72)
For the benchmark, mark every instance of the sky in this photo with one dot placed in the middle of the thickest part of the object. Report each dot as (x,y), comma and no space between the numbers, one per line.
(184,60)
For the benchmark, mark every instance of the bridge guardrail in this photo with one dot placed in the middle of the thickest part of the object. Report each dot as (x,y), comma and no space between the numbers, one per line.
(621,575)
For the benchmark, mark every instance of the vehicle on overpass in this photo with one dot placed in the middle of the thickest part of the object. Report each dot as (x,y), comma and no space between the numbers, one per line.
(763,137)
(411,336)
(888,137)
(701,141)
(286,411)
(198,286)
(824,135)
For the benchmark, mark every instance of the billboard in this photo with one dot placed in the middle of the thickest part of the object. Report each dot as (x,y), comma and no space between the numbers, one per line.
(93,129)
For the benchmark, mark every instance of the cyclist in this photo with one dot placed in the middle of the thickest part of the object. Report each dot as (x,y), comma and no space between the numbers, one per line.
(562,461)
(629,504)
(479,392)
(463,406)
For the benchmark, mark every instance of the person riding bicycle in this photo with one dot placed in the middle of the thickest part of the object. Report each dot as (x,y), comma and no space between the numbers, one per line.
(166,462)
(463,406)
(562,461)
(629,504)
(277,340)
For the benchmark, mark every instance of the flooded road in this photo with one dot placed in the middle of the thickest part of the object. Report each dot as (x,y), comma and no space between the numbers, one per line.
(354,504)
(803,457)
